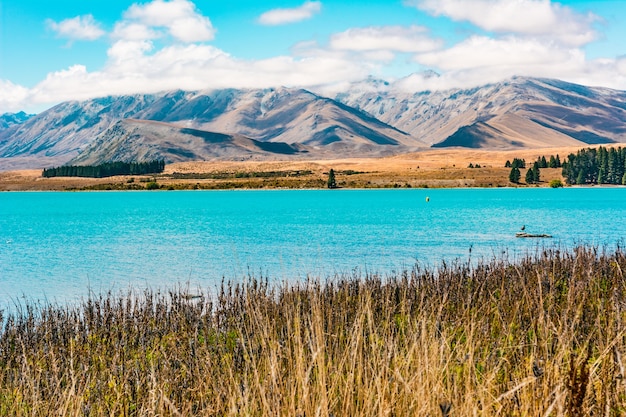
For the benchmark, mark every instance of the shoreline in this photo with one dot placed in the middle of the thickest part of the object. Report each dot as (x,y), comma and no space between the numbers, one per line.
(447,168)
(256,344)
(436,168)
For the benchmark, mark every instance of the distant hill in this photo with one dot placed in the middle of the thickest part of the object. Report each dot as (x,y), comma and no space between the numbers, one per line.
(371,118)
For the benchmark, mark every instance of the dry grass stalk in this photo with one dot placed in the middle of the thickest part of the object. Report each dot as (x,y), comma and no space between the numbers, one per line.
(544,336)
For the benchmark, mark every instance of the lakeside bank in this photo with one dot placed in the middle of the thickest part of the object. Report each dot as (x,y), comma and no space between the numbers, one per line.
(541,336)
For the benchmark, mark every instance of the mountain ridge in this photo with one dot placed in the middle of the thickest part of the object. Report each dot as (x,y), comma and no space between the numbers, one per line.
(372,118)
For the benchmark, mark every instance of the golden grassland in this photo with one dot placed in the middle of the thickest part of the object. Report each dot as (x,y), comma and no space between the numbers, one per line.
(431,168)
(543,336)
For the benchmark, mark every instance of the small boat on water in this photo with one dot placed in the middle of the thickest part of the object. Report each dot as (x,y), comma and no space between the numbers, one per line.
(524,234)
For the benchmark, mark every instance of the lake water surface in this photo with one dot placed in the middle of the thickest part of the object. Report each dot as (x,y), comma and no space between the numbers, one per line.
(58,246)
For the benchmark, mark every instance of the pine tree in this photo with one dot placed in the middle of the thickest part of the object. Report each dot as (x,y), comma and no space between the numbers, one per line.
(530,177)
(552,162)
(514,175)
(332,182)
(518,163)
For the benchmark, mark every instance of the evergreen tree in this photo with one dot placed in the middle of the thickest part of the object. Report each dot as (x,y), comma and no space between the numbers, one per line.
(536,174)
(332,182)
(552,162)
(514,175)
(530,177)
(518,163)
(602,176)
(107,169)
(613,172)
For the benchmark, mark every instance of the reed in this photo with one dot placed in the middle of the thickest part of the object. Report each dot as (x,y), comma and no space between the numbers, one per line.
(543,336)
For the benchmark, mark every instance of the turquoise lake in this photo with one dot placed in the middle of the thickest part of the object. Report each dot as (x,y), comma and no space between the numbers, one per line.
(61,246)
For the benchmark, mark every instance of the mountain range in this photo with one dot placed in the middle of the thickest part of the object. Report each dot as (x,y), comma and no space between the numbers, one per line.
(370,118)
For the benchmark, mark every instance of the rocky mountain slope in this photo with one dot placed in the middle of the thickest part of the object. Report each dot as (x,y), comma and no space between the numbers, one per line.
(281,116)
(147,140)
(11,119)
(372,118)
(520,112)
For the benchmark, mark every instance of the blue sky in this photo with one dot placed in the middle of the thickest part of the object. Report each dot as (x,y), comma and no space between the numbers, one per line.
(69,49)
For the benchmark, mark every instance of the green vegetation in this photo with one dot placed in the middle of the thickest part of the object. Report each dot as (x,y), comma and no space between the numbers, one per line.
(332,182)
(533,175)
(556,184)
(152,185)
(218,185)
(540,337)
(108,169)
(515,175)
(239,174)
(555,162)
(350,172)
(596,166)
(530,177)
(517,163)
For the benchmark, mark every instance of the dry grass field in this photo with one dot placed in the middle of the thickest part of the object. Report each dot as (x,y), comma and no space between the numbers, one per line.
(541,337)
(431,168)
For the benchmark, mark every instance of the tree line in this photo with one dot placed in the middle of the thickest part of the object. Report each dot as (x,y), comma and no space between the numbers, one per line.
(533,175)
(588,166)
(107,169)
(596,166)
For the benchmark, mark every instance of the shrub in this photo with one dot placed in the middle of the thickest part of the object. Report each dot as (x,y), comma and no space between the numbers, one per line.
(556,183)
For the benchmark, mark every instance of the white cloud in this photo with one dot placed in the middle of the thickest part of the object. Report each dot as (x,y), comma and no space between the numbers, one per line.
(12,97)
(527,17)
(135,67)
(480,60)
(512,52)
(83,28)
(133,31)
(136,63)
(385,38)
(284,16)
(179,17)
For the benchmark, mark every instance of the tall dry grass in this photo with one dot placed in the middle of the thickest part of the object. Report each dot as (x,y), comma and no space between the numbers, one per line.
(540,337)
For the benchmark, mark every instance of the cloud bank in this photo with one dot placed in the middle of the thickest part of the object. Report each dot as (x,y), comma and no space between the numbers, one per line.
(164,45)
(385,38)
(523,17)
